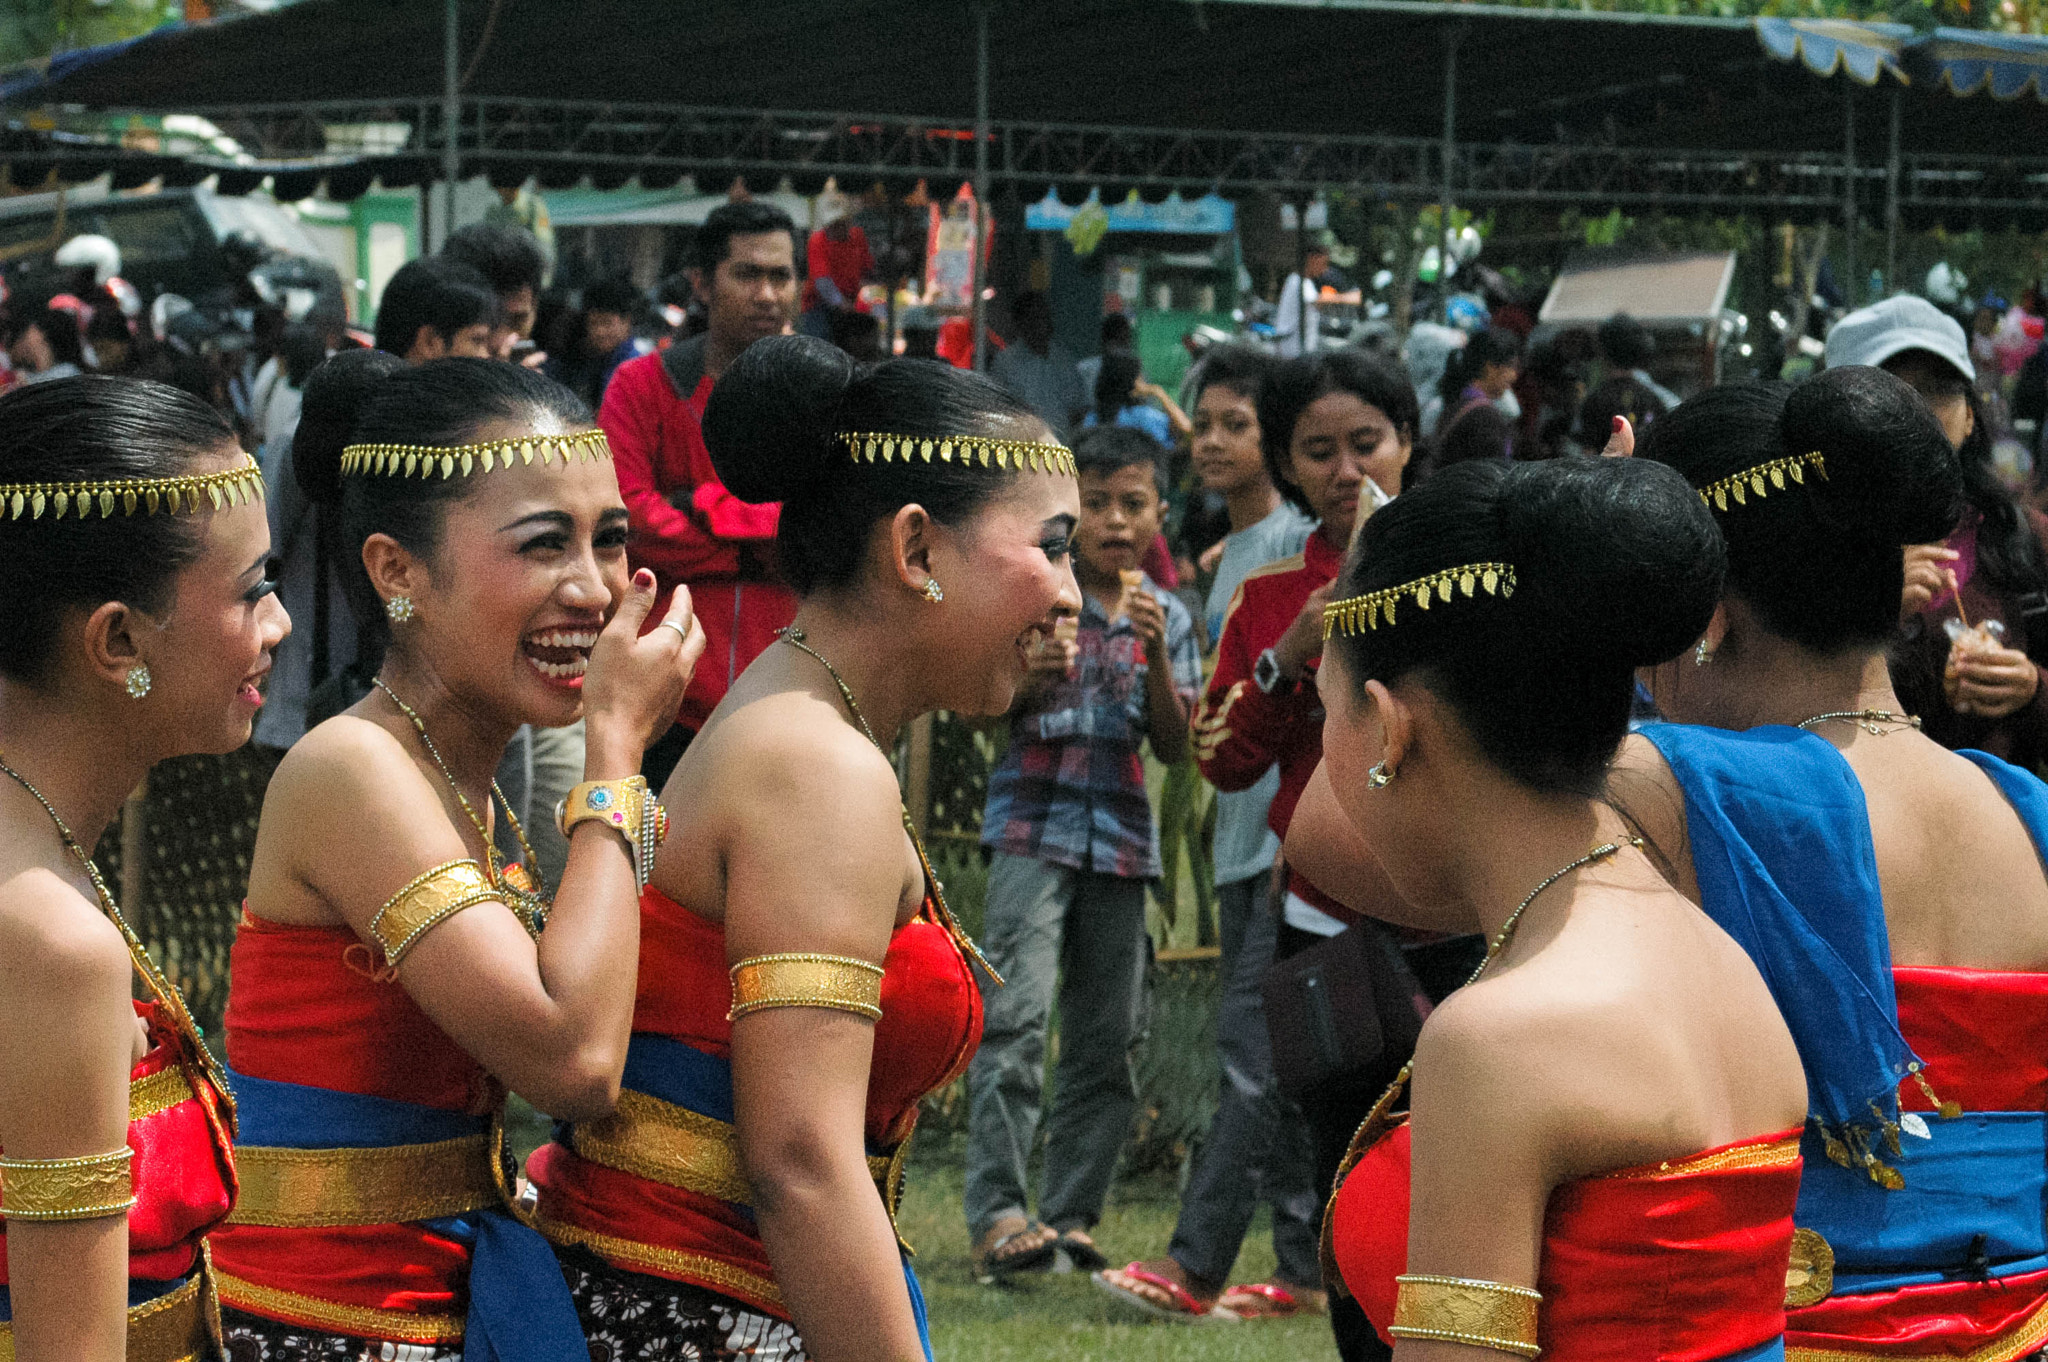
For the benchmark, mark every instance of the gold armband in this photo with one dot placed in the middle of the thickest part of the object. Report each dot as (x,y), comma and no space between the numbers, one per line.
(1460,1310)
(84,1188)
(427,902)
(625,806)
(802,980)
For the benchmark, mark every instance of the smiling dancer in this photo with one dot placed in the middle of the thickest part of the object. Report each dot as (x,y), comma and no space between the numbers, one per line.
(391,977)
(802,986)
(135,628)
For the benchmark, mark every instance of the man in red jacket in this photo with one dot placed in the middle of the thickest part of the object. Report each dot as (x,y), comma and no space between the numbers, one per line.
(686,526)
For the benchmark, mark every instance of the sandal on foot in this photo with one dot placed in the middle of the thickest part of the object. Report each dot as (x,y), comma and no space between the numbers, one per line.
(1271,1300)
(1184,1310)
(993,1264)
(1081,1251)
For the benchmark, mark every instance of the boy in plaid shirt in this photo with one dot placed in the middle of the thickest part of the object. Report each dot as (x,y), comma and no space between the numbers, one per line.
(1072,842)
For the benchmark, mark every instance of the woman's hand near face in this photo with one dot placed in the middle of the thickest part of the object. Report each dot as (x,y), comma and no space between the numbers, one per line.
(1928,568)
(636,681)
(1303,641)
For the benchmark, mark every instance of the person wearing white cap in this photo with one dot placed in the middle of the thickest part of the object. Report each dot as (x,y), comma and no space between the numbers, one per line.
(1974,613)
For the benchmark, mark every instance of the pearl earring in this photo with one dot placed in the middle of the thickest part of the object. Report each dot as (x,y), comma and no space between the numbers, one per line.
(1702,654)
(399,609)
(138,681)
(933,592)
(1379,777)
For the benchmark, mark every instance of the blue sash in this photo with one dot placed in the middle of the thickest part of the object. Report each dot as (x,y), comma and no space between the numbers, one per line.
(1781,847)
(683,1076)
(1773,1351)
(520,1309)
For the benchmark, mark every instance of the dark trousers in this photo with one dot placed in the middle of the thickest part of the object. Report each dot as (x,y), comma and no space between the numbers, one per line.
(1257,1147)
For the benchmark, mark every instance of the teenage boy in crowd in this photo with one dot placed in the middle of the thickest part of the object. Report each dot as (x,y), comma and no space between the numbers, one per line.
(1257,1148)
(511,260)
(433,309)
(1073,845)
(686,526)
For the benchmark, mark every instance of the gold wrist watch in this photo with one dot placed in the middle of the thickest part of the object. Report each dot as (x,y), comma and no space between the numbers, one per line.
(625,806)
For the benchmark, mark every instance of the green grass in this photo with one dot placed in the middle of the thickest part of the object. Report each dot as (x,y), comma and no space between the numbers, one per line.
(1068,1317)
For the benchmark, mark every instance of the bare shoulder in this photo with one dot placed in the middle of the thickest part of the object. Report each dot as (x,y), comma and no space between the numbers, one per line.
(54,942)
(790,755)
(341,756)
(1522,1068)
(808,825)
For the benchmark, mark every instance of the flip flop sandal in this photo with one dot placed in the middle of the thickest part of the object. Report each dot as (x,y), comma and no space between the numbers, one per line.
(1266,1300)
(991,1267)
(1082,1253)
(1185,1310)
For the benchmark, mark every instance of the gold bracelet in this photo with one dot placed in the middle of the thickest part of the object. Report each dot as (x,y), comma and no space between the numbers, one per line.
(426,903)
(805,980)
(84,1188)
(627,807)
(1462,1310)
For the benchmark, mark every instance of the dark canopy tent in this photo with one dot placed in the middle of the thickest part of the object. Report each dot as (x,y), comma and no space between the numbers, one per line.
(1597,110)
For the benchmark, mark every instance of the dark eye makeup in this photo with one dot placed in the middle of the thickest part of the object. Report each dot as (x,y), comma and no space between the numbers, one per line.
(273,568)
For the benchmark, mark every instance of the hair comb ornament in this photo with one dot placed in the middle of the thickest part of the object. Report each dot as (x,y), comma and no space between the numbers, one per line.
(425,461)
(1355,614)
(1759,481)
(207,491)
(1038,456)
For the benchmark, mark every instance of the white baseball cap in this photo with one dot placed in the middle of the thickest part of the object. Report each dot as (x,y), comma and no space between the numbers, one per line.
(1872,335)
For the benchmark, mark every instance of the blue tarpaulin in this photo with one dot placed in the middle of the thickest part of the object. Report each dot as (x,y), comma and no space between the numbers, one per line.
(1963,61)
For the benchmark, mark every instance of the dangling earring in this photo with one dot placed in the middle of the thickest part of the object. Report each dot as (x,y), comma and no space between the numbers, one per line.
(399,609)
(933,592)
(138,681)
(1379,777)
(1702,654)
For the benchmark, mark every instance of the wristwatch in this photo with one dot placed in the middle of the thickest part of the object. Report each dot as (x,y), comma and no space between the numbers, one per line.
(1266,674)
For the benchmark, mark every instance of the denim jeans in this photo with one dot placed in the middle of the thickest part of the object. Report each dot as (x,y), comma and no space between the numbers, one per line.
(1047,925)
(1257,1148)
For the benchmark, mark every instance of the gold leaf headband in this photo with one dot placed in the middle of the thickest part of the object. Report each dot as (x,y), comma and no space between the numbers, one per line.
(1039,456)
(406,461)
(1761,479)
(235,487)
(1357,613)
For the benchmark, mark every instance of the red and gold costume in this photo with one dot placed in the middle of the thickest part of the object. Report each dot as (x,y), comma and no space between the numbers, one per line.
(180,1129)
(315,1005)
(1682,1261)
(1955,1266)
(658,1188)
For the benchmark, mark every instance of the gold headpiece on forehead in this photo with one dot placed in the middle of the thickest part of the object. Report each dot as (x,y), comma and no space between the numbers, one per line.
(205,491)
(428,461)
(1761,479)
(1355,614)
(1013,455)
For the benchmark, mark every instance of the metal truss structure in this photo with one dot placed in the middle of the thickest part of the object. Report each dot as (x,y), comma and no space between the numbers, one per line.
(561,141)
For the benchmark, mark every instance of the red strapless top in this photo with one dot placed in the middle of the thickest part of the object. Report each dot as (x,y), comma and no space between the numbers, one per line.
(314,1005)
(930,1027)
(183,1172)
(1983,1036)
(1676,1262)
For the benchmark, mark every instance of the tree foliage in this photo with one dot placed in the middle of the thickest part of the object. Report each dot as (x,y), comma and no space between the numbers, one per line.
(31,30)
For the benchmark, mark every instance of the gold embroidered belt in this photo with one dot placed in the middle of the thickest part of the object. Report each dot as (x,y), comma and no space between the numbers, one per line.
(172,1328)
(307,1188)
(677,1147)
